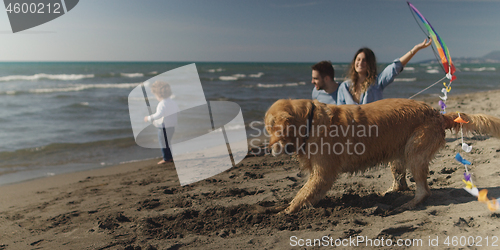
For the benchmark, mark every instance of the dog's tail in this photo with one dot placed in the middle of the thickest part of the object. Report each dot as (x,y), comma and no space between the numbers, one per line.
(479,123)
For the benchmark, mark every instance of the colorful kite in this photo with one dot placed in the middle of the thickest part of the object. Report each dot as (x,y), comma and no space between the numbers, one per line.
(443,52)
(449,69)
(439,45)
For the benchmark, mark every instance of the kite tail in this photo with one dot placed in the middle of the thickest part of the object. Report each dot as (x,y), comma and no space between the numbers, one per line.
(478,123)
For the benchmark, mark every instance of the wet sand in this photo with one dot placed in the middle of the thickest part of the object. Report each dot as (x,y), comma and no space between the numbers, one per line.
(141,205)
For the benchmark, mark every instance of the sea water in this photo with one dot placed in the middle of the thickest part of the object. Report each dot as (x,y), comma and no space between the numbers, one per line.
(62,117)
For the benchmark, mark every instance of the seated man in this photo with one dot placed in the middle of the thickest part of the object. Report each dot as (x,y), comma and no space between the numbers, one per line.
(325,88)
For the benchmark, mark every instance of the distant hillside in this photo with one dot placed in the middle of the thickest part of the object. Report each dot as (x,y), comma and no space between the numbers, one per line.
(492,57)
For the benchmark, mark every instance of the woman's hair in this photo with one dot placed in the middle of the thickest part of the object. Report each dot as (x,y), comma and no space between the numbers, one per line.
(161,89)
(371,64)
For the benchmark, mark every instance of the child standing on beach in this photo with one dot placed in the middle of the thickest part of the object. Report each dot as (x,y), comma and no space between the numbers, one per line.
(165,118)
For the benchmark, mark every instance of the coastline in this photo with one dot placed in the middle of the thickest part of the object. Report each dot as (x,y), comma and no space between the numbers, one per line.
(141,204)
(21,192)
(53,146)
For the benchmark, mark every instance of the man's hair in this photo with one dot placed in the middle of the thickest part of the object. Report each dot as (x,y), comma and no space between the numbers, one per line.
(371,64)
(161,89)
(324,68)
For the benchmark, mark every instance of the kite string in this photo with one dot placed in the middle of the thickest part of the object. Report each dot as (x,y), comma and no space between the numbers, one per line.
(427,88)
(462,136)
(461,131)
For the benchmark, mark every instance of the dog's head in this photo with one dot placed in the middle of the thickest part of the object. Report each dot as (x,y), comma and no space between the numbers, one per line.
(286,122)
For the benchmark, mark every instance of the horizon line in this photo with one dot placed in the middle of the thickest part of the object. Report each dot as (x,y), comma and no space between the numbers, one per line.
(157,61)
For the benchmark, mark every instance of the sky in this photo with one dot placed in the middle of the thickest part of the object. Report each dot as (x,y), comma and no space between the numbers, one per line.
(252,31)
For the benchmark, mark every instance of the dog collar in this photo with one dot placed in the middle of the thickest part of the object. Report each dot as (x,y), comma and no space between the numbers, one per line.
(309,120)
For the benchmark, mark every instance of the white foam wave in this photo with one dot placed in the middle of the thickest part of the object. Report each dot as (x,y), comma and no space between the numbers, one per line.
(432,71)
(484,69)
(258,75)
(280,85)
(234,127)
(405,79)
(228,78)
(234,77)
(239,76)
(132,75)
(409,68)
(84,87)
(215,70)
(62,77)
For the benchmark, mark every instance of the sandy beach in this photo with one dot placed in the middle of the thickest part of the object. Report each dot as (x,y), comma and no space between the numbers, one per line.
(141,205)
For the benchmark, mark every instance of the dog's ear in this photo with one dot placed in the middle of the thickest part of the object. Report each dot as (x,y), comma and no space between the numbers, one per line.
(279,127)
(282,122)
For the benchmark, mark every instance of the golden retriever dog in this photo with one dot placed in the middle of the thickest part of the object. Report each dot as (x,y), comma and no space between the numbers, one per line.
(330,139)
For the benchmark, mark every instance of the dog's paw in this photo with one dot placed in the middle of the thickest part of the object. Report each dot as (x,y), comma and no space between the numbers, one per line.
(276,209)
(291,210)
(282,213)
(398,210)
(405,207)
(285,212)
(395,189)
(388,191)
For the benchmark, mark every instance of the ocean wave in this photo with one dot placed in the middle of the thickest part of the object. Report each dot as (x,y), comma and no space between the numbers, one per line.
(432,71)
(280,85)
(77,106)
(85,87)
(74,88)
(132,75)
(258,75)
(409,68)
(22,156)
(234,77)
(215,70)
(228,78)
(226,128)
(234,127)
(62,77)
(480,69)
